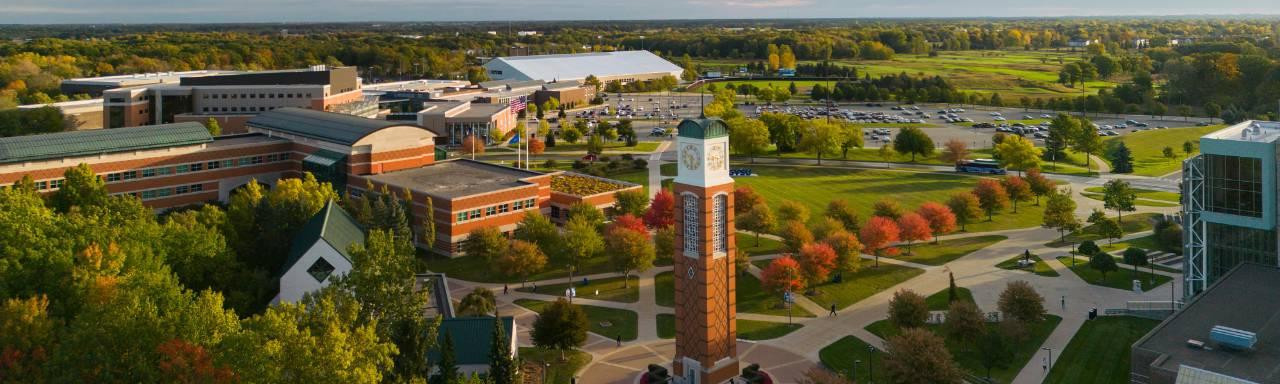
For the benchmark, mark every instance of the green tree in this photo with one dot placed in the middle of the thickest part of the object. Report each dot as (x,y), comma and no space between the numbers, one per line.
(1102,262)
(821,138)
(82,188)
(907,309)
(965,322)
(581,241)
(993,351)
(629,250)
(588,212)
(1121,159)
(1109,228)
(570,134)
(1168,153)
(634,202)
(1018,153)
(1137,257)
(759,220)
(213,127)
(1019,301)
(1060,213)
(486,243)
(1212,110)
(521,260)
(851,137)
(561,325)
(748,137)
(840,210)
(966,207)
(480,302)
(595,145)
(1086,141)
(914,141)
(448,361)
(502,366)
(539,230)
(1188,147)
(791,210)
(1118,195)
(919,356)
(1088,248)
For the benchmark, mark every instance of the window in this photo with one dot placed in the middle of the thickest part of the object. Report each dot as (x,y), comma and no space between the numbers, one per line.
(490,211)
(531,203)
(57,183)
(228,163)
(148,194)
(113,177)
(182,189)
(690,224)
(1234,185)
(42,185)
(321,269)
(555,212)
(130,175)
(197,187)
(462,216)
(504,208)
(149,172)
(245,161)
(518,204)
(475,214)
(183,168)
(271,158)
(719,237)
(164,171)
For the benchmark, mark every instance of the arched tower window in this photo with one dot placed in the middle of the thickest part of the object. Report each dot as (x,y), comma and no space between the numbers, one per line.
(691,214)
(720,223)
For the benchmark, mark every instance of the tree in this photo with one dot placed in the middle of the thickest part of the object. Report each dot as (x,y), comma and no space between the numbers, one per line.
(816,262)
(561,325)
(851,137)
(847,248)
(1060,213)
(664,243)
(81,188)
(381,278)
(588,212)
(994,351)
(1018,190)
(791,210)
(1039,184)
(448,360)
(487,243)
(1137,257)
(570,134)
(1021,302)
(1102,262)
(1018,153)
(907,309)
(795,235)
(544,129)
(1086,141)
(629,250)
(748,137)
(1212,110)
(912,228)
(954,151)
(581,241)
(965,322)
(782,275)
(991,196)
(941,219)
(840,210)
(480,302)
(886,153)
(1121,159)
(878,235)
(919,356)
(914,141)
(1088,248)
(745,199)
(1118,195)
(821,138)
(522,259)
(1188,147)
(660,213)
(825,226)
(472,144)
(537,146)
(539,230)
(1062,131)
(632,202)
(966,207)
(759,220)
(213,127)
(1109,228)
(887,208)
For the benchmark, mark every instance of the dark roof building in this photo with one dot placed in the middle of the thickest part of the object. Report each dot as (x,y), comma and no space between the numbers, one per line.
(331,127)
(472,339)
(332,225)
(82,143)
(1180,349)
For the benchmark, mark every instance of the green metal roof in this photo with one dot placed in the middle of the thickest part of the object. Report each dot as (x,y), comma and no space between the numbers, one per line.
(472,338)
(332,225)
(702,128)
(81,143)
(324,157)
(327,126)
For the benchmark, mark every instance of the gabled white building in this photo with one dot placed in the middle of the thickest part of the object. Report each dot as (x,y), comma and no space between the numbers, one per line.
(320,253)
(624,66)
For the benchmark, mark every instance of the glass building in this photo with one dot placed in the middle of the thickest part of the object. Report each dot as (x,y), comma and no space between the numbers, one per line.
(1229,206)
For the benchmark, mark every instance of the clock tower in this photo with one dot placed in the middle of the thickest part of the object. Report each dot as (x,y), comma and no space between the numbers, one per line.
(706,331)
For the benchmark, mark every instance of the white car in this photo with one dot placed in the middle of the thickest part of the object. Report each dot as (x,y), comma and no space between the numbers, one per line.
(1000,118)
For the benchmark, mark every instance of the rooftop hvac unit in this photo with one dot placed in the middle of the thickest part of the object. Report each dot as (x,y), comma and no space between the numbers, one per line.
(1193,343)
(1233,338)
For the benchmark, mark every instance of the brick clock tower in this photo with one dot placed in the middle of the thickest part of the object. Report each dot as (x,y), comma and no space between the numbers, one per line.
(706,299)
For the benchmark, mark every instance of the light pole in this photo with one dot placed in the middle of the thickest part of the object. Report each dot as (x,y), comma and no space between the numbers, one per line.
(871,364)
(854,374)
(570,293)
(1049,362)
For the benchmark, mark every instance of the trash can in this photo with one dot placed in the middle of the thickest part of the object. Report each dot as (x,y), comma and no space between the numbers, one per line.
(1093,313)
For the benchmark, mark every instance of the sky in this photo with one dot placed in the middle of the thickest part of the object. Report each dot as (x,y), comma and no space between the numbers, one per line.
(222,11)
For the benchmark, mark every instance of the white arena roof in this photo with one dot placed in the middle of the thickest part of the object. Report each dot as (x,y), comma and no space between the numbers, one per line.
(577,66)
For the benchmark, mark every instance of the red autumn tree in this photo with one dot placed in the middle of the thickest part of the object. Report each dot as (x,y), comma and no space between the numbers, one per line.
(537,146)
(991,196)
(183,362)
(745,198)
(660,213)
(816,262)
(941,219)
(629,222)
(473,144)
(1040,185)
(1018,190)
(878,235)
(782,275)
(913,227)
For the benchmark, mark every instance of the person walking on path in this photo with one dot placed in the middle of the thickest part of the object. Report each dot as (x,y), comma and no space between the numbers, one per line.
(833,310)
(1064,303)
(619,339)
(504,289)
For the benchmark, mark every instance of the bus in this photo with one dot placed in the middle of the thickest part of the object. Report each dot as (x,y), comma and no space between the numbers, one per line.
(980,166)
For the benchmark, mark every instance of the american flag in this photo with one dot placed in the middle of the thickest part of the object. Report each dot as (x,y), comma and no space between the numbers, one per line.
(517,104)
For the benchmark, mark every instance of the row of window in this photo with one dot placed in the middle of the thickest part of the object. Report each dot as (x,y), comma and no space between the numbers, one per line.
(166,192)
(49,184)
(254,95)
(495,210)
(195,167)
(241,109)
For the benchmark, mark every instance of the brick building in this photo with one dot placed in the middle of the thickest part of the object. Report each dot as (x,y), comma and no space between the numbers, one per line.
(172,165)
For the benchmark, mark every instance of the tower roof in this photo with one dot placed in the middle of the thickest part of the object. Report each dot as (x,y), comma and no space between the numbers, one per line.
(703,128)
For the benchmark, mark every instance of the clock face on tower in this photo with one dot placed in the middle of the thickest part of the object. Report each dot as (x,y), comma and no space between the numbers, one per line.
(690,157)
(715,158)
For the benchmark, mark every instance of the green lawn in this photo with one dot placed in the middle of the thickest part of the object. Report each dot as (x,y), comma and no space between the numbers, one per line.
(747,329)
(1171,197)
(840,356)
(764,330)
(609,146)
(1147,147)
(752,298)
(939,301)
(558,371)
(1141,202)
(1146,242)
(620,321)
(1121,278)
(668,169)
(1040,267)
(1022,352)
(1133,223)
(664,287)
(747,243)
(1099,352)
(815,187)
(859,285)
(947,250)
(611,289)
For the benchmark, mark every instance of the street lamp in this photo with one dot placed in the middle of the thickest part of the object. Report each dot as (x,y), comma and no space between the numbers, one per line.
(1049,362)
(854,374)
(871,364)
(570,293)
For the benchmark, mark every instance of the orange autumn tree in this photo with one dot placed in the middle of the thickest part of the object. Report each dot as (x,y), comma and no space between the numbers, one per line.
(816,262)
(627,221)
(912,227)
(183,362)
(473,145)
(661,210)
(941,219)
(878,236)
(991,196)
(782,275)
(537,146)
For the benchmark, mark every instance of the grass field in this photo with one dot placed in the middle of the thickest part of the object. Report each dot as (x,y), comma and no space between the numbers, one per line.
(1172,197)
(945,251)
(938,301)
(1147,148)
(747,329)
(815,187)
(858,285)
(1099,352)
(620,321)
(840,356)
(1118,279)
(747,243)
(611,289)
(1145,242)
(1141,202)
(1040,267)
(609,146)
(559,371)
(1022,352)
(752,298)
(1133,223)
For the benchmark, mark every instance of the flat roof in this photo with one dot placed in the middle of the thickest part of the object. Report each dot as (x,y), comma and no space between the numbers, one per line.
(99,141)
(457,178)
(1250,131)
(143,78)
(327,126)
(1245,299)
(580,65)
